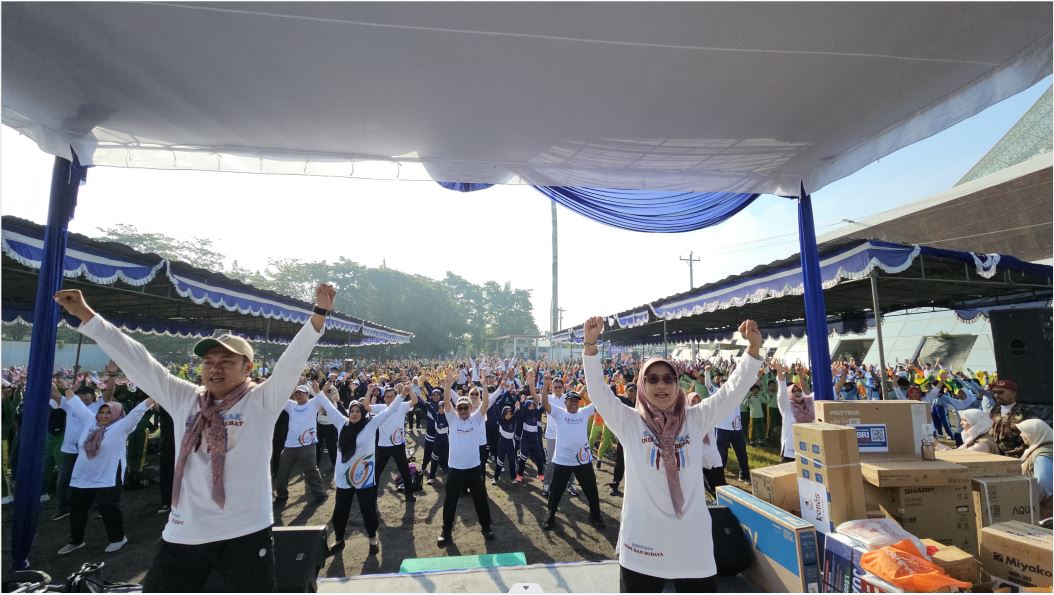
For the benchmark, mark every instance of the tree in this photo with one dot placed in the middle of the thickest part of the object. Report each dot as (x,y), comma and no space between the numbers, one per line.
(199,252)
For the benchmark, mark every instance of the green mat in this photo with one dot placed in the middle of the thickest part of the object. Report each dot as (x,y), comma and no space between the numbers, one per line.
(411,565)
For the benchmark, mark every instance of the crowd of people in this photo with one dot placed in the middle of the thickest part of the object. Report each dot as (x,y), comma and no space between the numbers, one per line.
(669,425)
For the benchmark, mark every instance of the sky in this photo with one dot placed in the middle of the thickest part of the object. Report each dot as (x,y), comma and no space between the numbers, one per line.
(500,234)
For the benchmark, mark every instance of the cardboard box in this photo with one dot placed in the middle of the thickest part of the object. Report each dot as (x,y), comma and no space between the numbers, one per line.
(895,472)
(841,564)
(787,559)
(1001,499)
(778,485)
(1018,552)
(942,513)
(956,563)
(830,488)
(831,445)
(982,464)
(891,427)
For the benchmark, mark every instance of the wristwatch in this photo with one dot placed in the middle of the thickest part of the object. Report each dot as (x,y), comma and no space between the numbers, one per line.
(321,311)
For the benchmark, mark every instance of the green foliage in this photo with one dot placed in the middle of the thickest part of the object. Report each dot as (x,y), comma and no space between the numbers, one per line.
(445,315)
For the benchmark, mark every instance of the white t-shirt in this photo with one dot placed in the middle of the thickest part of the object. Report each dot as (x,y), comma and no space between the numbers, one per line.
(572,441)
(732,422)
(464,441)
(303,430)
(393,431)
(550,428)
(358,472)
(196,518)
(74,427)
(100,471)
(323,418)
(652,540)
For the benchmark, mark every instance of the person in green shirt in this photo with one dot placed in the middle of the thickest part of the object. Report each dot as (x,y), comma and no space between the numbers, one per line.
(755,403)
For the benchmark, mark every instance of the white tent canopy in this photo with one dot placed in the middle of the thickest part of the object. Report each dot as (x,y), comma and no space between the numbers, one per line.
(738,97)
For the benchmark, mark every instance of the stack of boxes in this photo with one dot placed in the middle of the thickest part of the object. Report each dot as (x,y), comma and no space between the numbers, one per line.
(830,488)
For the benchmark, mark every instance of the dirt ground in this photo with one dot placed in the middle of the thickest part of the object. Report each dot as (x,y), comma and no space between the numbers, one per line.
(406,531)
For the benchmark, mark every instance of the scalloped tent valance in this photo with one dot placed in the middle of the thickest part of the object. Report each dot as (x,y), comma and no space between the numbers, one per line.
(108,263)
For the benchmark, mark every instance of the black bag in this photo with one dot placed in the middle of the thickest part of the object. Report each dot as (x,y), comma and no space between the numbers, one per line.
(732,550)
(89,579)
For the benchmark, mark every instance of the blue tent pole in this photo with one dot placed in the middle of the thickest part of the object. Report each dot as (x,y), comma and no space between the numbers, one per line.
(815,308)
(66,177)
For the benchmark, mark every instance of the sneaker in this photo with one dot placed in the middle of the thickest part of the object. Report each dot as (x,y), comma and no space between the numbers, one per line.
(443,540)
(7,499)
(598,464)
(545,492)
(493,482)
(488,534)
(411,498)
(164,509)
(614,491)
(336,548)
(572,490)
(44,497)
(113,547)
(69,548)
(541,477)
(430,481)
(58,516)
(519,479)
(281,500)
(547,524)
(598,522)
(321,498)
(375,548)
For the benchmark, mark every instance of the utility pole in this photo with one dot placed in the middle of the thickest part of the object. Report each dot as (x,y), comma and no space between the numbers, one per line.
(554,315)
(691,260)
(560,318)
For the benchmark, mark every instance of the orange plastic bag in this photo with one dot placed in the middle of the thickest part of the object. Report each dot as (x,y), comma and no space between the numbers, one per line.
(903,566)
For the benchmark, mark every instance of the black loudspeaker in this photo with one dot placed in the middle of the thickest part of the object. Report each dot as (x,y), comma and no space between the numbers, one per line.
(1023,351)
(299,554)
(733,552)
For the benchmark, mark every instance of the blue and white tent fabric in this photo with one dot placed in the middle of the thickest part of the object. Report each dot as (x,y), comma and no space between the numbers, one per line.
(83,262)
(854,263)
(107,263)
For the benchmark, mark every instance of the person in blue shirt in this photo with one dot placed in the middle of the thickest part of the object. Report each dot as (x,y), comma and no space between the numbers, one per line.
(530,417)
(506,450)
(431,409)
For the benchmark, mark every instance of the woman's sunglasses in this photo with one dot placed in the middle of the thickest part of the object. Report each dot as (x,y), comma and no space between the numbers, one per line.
(655,378)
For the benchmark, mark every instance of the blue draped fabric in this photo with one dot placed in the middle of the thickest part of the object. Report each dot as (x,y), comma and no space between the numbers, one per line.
(652,211)
(815,307)
(66,178)
(464,186)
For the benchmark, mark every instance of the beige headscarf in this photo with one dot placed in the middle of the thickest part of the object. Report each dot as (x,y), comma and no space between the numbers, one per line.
(1035,433)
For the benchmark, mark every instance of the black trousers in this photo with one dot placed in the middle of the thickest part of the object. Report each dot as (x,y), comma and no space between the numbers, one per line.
(109,502)
(586,478)
(440,451)
(427,460)
(714,477)
(620,465)
(531,448)
(456,481)
(738,441)
(167,461)
(506,458)
(635,582)
(327,436)
(246,565)
(367,506)
(401,462)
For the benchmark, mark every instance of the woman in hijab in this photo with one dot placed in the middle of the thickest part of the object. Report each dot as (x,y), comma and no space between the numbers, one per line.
(99,471)
(665,531)
(795,407)
(1036,461)
(977,426)
(356,461)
